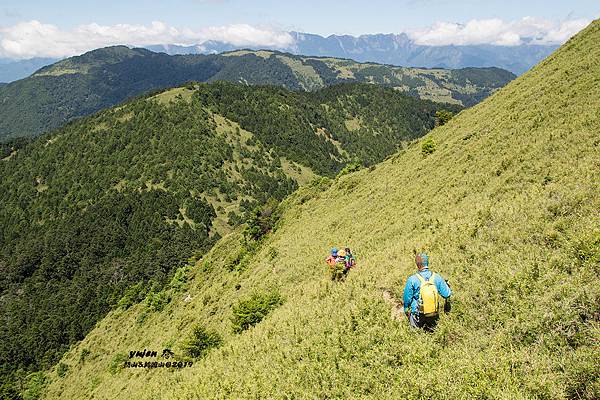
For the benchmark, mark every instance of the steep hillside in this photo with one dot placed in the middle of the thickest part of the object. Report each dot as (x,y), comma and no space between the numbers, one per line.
(126,196)
(507,207)
(102,78)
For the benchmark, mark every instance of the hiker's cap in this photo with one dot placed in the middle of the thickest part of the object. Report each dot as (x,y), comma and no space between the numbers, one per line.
(422,260)
(342,253)
(334,251)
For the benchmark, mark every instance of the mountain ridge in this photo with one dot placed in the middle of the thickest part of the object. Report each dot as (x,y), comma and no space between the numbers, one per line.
(102,78)
(393,49)
(13,70)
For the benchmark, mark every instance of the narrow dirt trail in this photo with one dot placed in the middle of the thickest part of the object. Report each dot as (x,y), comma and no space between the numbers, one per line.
(397,306)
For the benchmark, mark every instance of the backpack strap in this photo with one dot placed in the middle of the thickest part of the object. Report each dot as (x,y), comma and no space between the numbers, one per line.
(423,280)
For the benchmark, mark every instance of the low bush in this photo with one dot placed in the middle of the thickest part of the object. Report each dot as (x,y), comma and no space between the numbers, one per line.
(261,221)
(156,301)
(442,117)
(349,168)
(428,147)
(117,363)
(133,295)
(62,370)
(201,341)
(180,278)
(35,386)
(251,311)
(83,355)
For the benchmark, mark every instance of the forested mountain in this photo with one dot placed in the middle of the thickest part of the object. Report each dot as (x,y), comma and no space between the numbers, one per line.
(504,198)
(82,85)
(101,212)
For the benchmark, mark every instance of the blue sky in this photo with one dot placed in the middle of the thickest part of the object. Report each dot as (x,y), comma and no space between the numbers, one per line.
(67,27)
(323,17)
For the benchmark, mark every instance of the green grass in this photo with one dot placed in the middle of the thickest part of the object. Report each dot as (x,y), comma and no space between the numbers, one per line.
(173,95)
(308,78)
(259,53)
(507,207)
(353,124)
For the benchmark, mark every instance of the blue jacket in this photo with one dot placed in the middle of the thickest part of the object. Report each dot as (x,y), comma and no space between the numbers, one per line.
(413,289)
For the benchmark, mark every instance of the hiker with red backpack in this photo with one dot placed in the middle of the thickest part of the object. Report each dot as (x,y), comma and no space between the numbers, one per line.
(332,257)
(422,295)
(340,262)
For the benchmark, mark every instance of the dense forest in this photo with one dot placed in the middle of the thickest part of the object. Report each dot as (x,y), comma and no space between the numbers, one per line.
(109,206)
(102,78)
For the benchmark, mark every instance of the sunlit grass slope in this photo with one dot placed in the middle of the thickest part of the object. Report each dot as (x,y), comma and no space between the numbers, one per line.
(508,208)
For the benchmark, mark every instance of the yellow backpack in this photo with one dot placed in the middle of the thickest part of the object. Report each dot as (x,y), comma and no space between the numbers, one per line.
(429,299)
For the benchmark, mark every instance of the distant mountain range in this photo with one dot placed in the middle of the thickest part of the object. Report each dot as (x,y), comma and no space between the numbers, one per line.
(12,70)
(102,78)
(394,49)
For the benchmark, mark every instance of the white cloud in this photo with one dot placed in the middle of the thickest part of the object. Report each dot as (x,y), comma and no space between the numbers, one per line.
(36,39)
(498,32)
(564,31)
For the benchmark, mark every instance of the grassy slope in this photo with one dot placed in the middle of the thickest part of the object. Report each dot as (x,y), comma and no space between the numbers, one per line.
(124,196)
(508,209)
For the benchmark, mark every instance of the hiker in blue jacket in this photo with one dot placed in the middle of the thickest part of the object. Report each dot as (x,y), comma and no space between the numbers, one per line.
(412,294)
